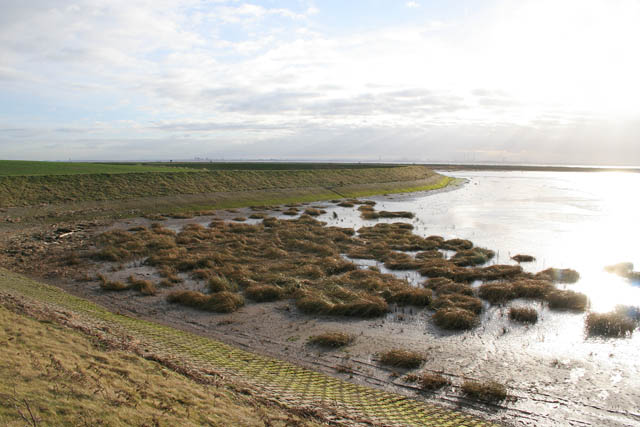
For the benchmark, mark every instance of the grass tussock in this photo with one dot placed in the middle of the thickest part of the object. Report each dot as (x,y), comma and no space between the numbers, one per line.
(474,256)
(111,285)
(331,339)
(567,300)
(217,283)
(559,275)
(145,287)
(489,390)
(460,301)
(523,258)
(314,211)
(264,293)
(455,319)
(497,293)
(405,359)
(523,314)
(219,302)
(432,382)
(615,324)
(411,296)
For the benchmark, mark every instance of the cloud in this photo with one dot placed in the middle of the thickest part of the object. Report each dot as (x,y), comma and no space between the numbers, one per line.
(272,76)
(412,4)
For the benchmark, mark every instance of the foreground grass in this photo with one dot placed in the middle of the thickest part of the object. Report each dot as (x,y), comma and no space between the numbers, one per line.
(56,376)
(290,386)
(29,168)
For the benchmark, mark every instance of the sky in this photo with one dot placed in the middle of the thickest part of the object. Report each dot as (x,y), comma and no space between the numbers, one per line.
(516,81)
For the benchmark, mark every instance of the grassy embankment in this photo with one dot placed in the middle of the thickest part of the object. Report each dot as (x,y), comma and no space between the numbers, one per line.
(61,374)
(135,193)
(53,375)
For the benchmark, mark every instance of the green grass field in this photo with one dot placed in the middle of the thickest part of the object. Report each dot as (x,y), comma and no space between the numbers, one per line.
(28,168)
(214,166)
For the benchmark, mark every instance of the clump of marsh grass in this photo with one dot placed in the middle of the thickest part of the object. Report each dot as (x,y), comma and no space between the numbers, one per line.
(474,256)
(614,324)
(431,382)
(331,339)
(410,296)
(258,215)
(460,301)
(145,287)
(346,204)
(489,390)
(264,293)
(454,318)
(217,283)
(559,275)
(567,300)
(240,218)
(314,212)
(523,314)
(456,244)
(497,292)
(111,285)
(399,358)
(219,302)
(291,212)
(523,258)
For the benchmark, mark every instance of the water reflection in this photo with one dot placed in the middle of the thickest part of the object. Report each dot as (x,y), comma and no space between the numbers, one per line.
(583,221)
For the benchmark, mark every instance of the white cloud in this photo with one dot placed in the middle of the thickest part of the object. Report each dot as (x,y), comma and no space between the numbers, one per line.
(225,73)
(412,4)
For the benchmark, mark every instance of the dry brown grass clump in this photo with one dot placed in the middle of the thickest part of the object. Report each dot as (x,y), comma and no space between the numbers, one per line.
(240,218)
(466,302)
(346,204)
(410,296)
(497,292)
(314,212)
(432,382)
(354,305)
(523,314)
(455,288)
(402,359)
(456,244)
(396,214)
(331,339)
(219,302)
(475,256)
(523,258)
(145,287)
(531,288)
(264,293)
(258,215)
(559,275)
(488,390)
(614,324)
(454,318)
(291,212)
(567,300)
(110,285)
(218,283)
(401,261)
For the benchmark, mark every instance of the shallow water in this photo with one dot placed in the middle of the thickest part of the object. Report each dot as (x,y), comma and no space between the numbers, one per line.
(583,221)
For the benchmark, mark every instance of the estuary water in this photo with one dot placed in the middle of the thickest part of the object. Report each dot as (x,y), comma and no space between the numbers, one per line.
(579,220)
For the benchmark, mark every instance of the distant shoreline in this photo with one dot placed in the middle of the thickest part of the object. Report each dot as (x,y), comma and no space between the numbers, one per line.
(454,167)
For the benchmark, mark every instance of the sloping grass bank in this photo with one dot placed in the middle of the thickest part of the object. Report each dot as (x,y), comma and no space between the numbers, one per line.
(54,189)
(53,375)
(279,381)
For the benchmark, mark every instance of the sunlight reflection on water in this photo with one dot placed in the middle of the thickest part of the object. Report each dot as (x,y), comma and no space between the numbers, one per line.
(578,220)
